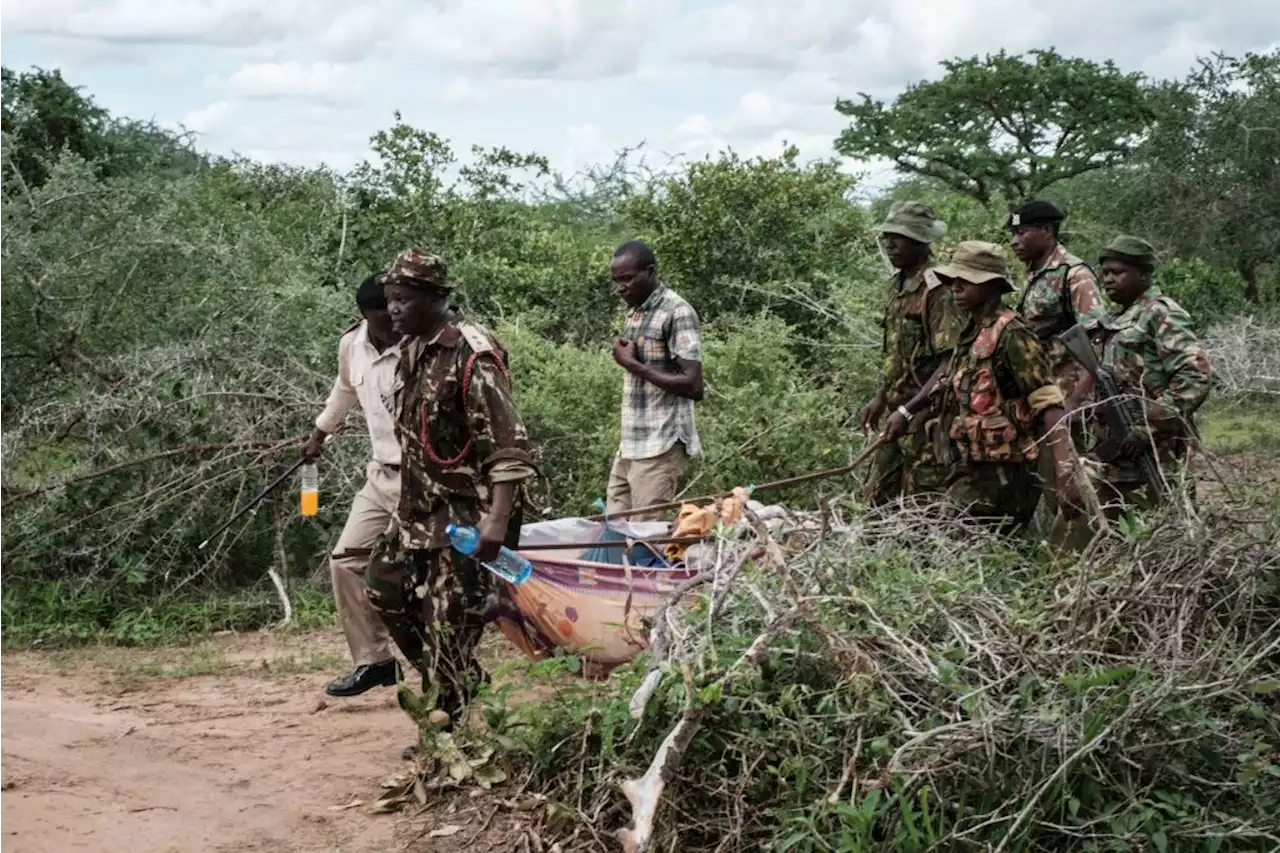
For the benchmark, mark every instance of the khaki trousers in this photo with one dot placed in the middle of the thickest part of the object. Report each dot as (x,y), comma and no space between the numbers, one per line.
(371,512)
(641,482)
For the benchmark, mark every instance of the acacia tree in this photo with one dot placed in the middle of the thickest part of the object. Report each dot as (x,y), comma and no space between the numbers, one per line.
(1004,127)
(1207,182)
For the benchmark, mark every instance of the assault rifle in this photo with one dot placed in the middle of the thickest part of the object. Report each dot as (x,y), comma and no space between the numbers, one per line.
(1117,409)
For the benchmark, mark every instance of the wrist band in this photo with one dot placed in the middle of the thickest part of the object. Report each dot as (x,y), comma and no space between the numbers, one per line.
(902,410)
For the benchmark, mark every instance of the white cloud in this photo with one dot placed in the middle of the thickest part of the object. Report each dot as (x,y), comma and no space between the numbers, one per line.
(576,79)
(208,119)
(878,45)
(325,28)
(224,22)
(320,81)
(535,38)
(696,125)
(468,91)
(589,144)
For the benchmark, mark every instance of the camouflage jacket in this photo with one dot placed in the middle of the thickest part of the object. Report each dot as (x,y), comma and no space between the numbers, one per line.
(459,431)
(1153,354)
(1059,293)
(1001,382)
(921,327)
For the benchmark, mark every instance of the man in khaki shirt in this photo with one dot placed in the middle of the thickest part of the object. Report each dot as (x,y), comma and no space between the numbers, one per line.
(368,355)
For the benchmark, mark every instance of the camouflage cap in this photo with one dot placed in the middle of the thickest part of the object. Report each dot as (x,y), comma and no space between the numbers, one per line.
(1130,250)
(978,262)
(914,220)
(416,269)
(1034,212)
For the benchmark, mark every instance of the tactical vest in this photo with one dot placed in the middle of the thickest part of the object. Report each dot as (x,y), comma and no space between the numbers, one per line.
(989,427)
(1067,318)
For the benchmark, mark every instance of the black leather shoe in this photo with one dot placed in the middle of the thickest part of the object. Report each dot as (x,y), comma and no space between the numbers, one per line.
(364,678)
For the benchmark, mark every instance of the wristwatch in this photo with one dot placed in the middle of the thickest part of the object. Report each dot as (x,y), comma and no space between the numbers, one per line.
(902,410)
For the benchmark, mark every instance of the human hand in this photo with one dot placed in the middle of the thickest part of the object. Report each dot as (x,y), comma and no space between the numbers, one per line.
(493,533)
(314,445)
(871,413)
(895,428)
(624,352)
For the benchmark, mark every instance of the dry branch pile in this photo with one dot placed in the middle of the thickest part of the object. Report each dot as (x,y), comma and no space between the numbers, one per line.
(911,683)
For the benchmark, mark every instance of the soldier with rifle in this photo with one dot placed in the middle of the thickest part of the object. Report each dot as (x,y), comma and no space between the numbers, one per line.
(1152,376)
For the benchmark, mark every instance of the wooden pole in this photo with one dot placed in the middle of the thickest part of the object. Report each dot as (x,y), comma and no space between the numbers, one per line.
(582,546)
(764,487)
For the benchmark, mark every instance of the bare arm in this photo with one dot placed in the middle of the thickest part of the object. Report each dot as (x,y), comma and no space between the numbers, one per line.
(342,397)
(686,382)
(897,424)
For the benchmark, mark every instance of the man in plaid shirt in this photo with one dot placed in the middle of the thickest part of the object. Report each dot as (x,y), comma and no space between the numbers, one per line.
(660,351)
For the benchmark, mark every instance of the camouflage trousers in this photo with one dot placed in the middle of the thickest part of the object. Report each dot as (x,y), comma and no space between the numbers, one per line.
(434,602)
(908,466)
(1004,493)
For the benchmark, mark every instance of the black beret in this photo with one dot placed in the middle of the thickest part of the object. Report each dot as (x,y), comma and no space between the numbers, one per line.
(1035,212)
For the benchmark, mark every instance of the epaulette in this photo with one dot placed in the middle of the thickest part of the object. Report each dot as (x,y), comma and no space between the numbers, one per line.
(475,338)
(931,280)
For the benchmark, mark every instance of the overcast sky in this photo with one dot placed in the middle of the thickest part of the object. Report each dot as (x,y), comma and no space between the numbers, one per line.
(308,81)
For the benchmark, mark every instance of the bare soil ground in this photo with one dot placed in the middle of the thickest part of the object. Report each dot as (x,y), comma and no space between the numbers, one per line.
(230,745)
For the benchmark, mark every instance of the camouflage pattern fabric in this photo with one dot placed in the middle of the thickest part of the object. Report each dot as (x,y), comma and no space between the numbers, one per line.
(921,328)
(1005,493)
(435,605)
(460,433)
(415,268)
(454,449)
(992,381)
(1060,292)
(1001,383)
(1153,353)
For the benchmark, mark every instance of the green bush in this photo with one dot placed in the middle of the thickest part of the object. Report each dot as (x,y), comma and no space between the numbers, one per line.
(920,685)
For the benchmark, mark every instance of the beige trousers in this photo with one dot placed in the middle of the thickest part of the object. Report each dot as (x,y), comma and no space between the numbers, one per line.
(371,512)
(635,483)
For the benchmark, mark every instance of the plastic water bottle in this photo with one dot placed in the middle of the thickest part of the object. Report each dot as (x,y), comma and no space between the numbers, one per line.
(508,565)
(309,500)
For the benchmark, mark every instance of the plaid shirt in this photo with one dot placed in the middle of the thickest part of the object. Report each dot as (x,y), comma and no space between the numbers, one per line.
(665,328)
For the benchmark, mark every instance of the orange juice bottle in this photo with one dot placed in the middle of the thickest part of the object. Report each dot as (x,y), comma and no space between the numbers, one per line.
(310,499)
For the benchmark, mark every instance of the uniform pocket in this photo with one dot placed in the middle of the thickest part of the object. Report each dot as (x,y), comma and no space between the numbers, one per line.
(999,439)
(986,438)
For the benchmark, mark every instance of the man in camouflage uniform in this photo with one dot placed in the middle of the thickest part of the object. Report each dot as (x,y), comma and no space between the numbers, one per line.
(1060,290)
(921,327)
(1001,398)
(464,455)
(1148,346)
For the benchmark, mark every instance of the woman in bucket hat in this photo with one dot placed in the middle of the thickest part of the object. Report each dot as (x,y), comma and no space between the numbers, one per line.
(1001,401)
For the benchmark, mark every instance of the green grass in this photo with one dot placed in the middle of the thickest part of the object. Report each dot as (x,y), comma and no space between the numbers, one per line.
(55,614)
(1249,424)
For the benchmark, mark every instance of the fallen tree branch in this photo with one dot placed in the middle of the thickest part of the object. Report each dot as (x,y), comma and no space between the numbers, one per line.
(187,449)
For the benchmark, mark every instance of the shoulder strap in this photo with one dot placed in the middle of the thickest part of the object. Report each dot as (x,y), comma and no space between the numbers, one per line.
(1069,305)
(349,329)
(475,337)
(931,280)
(479,344)
(984,346)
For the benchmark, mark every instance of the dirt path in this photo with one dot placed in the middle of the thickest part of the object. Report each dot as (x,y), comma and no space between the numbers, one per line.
(229,746)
